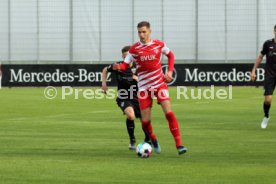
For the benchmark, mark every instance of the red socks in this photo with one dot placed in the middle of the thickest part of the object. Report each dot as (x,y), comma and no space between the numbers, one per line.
(146,125)
(173,124)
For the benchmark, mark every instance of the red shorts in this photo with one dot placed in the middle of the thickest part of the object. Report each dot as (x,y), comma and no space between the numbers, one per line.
(145,97)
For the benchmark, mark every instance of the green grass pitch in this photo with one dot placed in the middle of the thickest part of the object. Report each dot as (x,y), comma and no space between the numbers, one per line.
(85,141)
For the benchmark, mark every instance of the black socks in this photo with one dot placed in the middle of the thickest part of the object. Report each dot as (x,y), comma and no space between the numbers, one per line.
(130,129)
(266,109)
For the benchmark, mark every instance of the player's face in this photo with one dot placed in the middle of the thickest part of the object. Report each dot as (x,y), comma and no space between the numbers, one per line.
(144,34)
(124,54)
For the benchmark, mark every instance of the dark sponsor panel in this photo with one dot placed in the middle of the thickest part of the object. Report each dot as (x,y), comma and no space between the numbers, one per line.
(217,74)
(53,75)
(91,75)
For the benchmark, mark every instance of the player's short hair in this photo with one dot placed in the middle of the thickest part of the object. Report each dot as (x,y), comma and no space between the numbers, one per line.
(143,24)
(125,49)
(275,27)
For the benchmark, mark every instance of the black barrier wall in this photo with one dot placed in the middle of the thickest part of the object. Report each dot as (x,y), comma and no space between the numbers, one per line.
(90,75)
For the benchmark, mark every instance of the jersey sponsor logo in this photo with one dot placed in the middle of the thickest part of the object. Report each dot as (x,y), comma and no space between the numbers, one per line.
(148,58)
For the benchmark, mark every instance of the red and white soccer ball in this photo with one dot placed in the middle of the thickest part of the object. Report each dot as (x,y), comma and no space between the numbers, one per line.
(144,150)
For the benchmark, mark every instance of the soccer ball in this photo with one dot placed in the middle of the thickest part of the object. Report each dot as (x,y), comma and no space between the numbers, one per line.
(144,150)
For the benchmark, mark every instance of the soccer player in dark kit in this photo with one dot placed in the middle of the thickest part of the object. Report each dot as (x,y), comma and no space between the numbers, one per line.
(269,50)
(127,84)
(146,53)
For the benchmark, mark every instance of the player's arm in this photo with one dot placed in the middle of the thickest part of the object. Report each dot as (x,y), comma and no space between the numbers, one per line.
(124,65)
(168,75)
(134,72)
(104,77)
(259,60)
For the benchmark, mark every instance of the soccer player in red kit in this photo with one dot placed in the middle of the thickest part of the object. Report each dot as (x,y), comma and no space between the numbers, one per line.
(152,82)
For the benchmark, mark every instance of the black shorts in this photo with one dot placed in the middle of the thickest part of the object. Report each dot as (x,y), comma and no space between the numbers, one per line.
(123,104)
(269,85)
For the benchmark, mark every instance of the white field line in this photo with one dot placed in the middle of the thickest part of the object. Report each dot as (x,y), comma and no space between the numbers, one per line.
(203,102)
(55,116)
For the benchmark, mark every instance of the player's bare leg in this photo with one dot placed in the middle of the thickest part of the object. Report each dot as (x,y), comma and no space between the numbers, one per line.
(146,114)
(129,112)
(266,107)
(147,127)
(173,124)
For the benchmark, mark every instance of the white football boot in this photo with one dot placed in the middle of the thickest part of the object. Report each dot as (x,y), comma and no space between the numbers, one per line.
(264,122)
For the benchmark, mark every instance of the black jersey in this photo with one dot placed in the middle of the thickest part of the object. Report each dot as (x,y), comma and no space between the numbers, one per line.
(269,50)
(126,83)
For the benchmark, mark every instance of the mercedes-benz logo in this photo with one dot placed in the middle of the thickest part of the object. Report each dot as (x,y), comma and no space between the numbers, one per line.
(165,69)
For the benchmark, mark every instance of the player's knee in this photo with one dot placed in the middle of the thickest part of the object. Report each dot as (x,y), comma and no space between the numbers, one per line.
(131,116)
(167,111)
(166,106)
(129,112)
(268,100)
(145,118)
(146,114)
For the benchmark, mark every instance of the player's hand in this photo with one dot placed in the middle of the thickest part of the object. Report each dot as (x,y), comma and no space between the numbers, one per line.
(116,66)
(168,77)
(253,76)
(104,88)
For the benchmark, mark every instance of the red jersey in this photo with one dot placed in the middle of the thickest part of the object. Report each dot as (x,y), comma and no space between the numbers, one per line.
(148,63)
